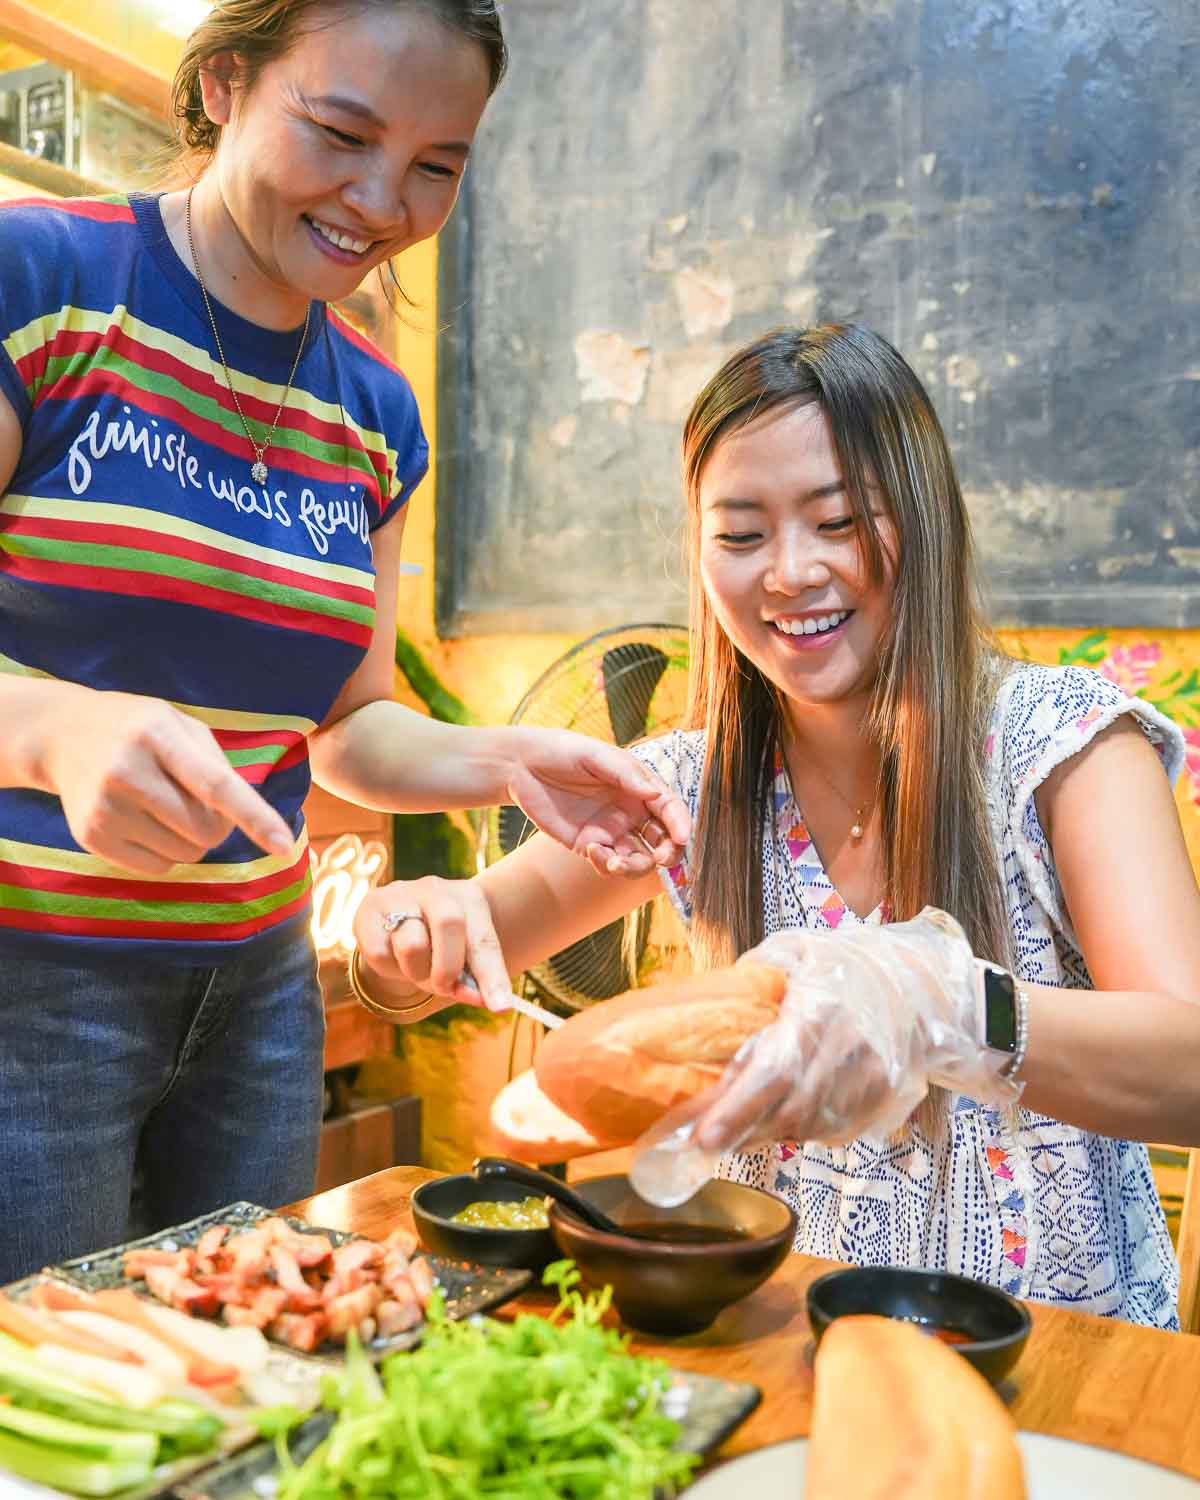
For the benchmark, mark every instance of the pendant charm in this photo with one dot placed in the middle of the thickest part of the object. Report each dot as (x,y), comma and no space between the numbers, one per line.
(259,472)
(856,831)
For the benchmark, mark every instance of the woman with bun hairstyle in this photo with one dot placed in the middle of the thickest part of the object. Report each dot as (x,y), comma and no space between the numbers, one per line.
(963,1091)
(204,475)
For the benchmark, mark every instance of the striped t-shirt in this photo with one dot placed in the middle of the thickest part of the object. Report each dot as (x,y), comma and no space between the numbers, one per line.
(138,555)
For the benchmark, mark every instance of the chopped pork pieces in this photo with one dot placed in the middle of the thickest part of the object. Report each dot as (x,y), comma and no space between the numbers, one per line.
(297,1287)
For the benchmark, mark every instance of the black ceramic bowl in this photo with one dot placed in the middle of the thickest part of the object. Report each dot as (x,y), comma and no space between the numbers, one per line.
(996,1326)
(673,1287)
(434,1205)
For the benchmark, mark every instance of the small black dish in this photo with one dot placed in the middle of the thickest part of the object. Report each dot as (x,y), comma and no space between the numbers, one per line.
(995,1324)
(434,1205)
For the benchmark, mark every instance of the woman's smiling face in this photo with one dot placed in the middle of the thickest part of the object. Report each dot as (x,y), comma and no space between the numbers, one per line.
(348,148)
(782,561)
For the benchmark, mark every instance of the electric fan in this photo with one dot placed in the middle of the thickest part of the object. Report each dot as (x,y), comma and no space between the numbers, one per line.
(619,686)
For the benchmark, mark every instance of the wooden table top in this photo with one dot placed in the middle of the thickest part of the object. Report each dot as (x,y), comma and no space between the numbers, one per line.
(1092,1379)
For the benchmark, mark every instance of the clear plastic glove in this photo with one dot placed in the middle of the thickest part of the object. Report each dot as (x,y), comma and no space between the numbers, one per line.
(870,1019)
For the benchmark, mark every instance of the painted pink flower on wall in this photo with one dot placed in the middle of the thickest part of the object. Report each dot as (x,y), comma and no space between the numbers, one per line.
(1192,763)
(1130,667)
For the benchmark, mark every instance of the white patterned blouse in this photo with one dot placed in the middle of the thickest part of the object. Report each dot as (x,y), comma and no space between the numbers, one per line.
(1045,1210)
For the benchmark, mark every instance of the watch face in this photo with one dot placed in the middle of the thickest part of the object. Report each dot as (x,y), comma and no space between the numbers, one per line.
(1000,1010)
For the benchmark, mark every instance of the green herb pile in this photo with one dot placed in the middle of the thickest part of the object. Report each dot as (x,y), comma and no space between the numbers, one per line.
(535,1409)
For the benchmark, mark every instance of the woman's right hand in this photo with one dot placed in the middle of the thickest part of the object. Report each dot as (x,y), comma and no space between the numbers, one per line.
(428,935)
(144,786)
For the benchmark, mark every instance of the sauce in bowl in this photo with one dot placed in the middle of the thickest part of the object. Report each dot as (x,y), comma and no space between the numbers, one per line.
(671,1233)
(524,1213)
(948,1335)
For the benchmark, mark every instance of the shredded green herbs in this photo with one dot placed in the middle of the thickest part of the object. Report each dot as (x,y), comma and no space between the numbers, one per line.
(534,1409)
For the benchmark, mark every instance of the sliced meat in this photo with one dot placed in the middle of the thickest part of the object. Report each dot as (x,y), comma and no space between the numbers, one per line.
(301,1297)
(303,1331)
(178,1290)
(420,1275)
(342,1282)
(225,1286)
(356,1255)
(237,1316)
(402,1240)
(208,1247)
(259,1308)
(392,1317)
(137,1262)
(345,1313)
(249,1254)
(309,1249)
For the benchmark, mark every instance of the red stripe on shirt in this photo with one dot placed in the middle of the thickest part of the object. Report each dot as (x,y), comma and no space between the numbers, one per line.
(124,927)
(197,595)
(145,539)
(108,213)
(75,883)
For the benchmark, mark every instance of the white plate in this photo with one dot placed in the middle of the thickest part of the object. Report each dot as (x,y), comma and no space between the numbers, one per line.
(1055,1469)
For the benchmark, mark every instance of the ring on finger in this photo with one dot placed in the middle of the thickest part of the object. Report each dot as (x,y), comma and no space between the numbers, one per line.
(640,835)
(393,919)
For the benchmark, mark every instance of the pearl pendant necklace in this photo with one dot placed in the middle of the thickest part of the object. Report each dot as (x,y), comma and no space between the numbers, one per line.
(862,811)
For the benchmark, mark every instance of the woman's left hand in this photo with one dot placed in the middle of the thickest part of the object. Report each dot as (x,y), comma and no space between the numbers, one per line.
(598,800)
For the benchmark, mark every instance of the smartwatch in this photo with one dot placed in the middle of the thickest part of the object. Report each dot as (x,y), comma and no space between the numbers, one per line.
(1002,1011)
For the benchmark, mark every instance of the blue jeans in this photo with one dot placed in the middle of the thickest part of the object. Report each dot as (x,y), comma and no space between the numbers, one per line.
(209,1081)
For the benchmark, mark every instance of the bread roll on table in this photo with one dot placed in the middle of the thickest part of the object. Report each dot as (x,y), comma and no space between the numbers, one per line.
(898,1415)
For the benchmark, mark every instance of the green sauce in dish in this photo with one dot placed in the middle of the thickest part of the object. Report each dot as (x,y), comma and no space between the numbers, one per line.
(526,1213)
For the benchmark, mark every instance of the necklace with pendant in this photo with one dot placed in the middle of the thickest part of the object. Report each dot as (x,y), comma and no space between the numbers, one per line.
(258,469)
(862,812)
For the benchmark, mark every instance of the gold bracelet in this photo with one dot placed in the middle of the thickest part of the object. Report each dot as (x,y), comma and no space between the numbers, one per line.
(397,1014)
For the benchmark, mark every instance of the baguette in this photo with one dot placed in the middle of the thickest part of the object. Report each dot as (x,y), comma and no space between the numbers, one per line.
(527,1125)
(617,1067)
(898,1415)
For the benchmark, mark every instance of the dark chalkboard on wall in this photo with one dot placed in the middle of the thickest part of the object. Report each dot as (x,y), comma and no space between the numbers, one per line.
(1007,189)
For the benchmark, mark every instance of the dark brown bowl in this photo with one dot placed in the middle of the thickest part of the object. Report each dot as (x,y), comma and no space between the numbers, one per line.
(669,1287)
(434,1205)
(995,1324)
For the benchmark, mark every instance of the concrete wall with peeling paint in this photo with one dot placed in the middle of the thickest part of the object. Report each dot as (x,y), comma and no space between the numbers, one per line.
(1008,189)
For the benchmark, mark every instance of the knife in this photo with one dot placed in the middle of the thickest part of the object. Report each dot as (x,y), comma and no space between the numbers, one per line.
(514,1002)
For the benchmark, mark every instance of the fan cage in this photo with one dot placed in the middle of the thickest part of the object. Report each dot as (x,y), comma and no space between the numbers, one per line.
(619,685)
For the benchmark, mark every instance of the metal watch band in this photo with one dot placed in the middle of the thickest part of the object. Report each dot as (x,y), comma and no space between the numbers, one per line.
(1017,1060)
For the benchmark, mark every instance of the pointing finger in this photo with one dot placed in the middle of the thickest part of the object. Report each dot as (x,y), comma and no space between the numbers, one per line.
(219,787)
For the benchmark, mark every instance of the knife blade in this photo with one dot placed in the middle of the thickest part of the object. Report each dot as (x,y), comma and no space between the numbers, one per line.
(514,1002)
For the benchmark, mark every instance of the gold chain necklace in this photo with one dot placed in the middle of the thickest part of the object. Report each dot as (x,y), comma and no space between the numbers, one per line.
(258,470)
(862,813)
